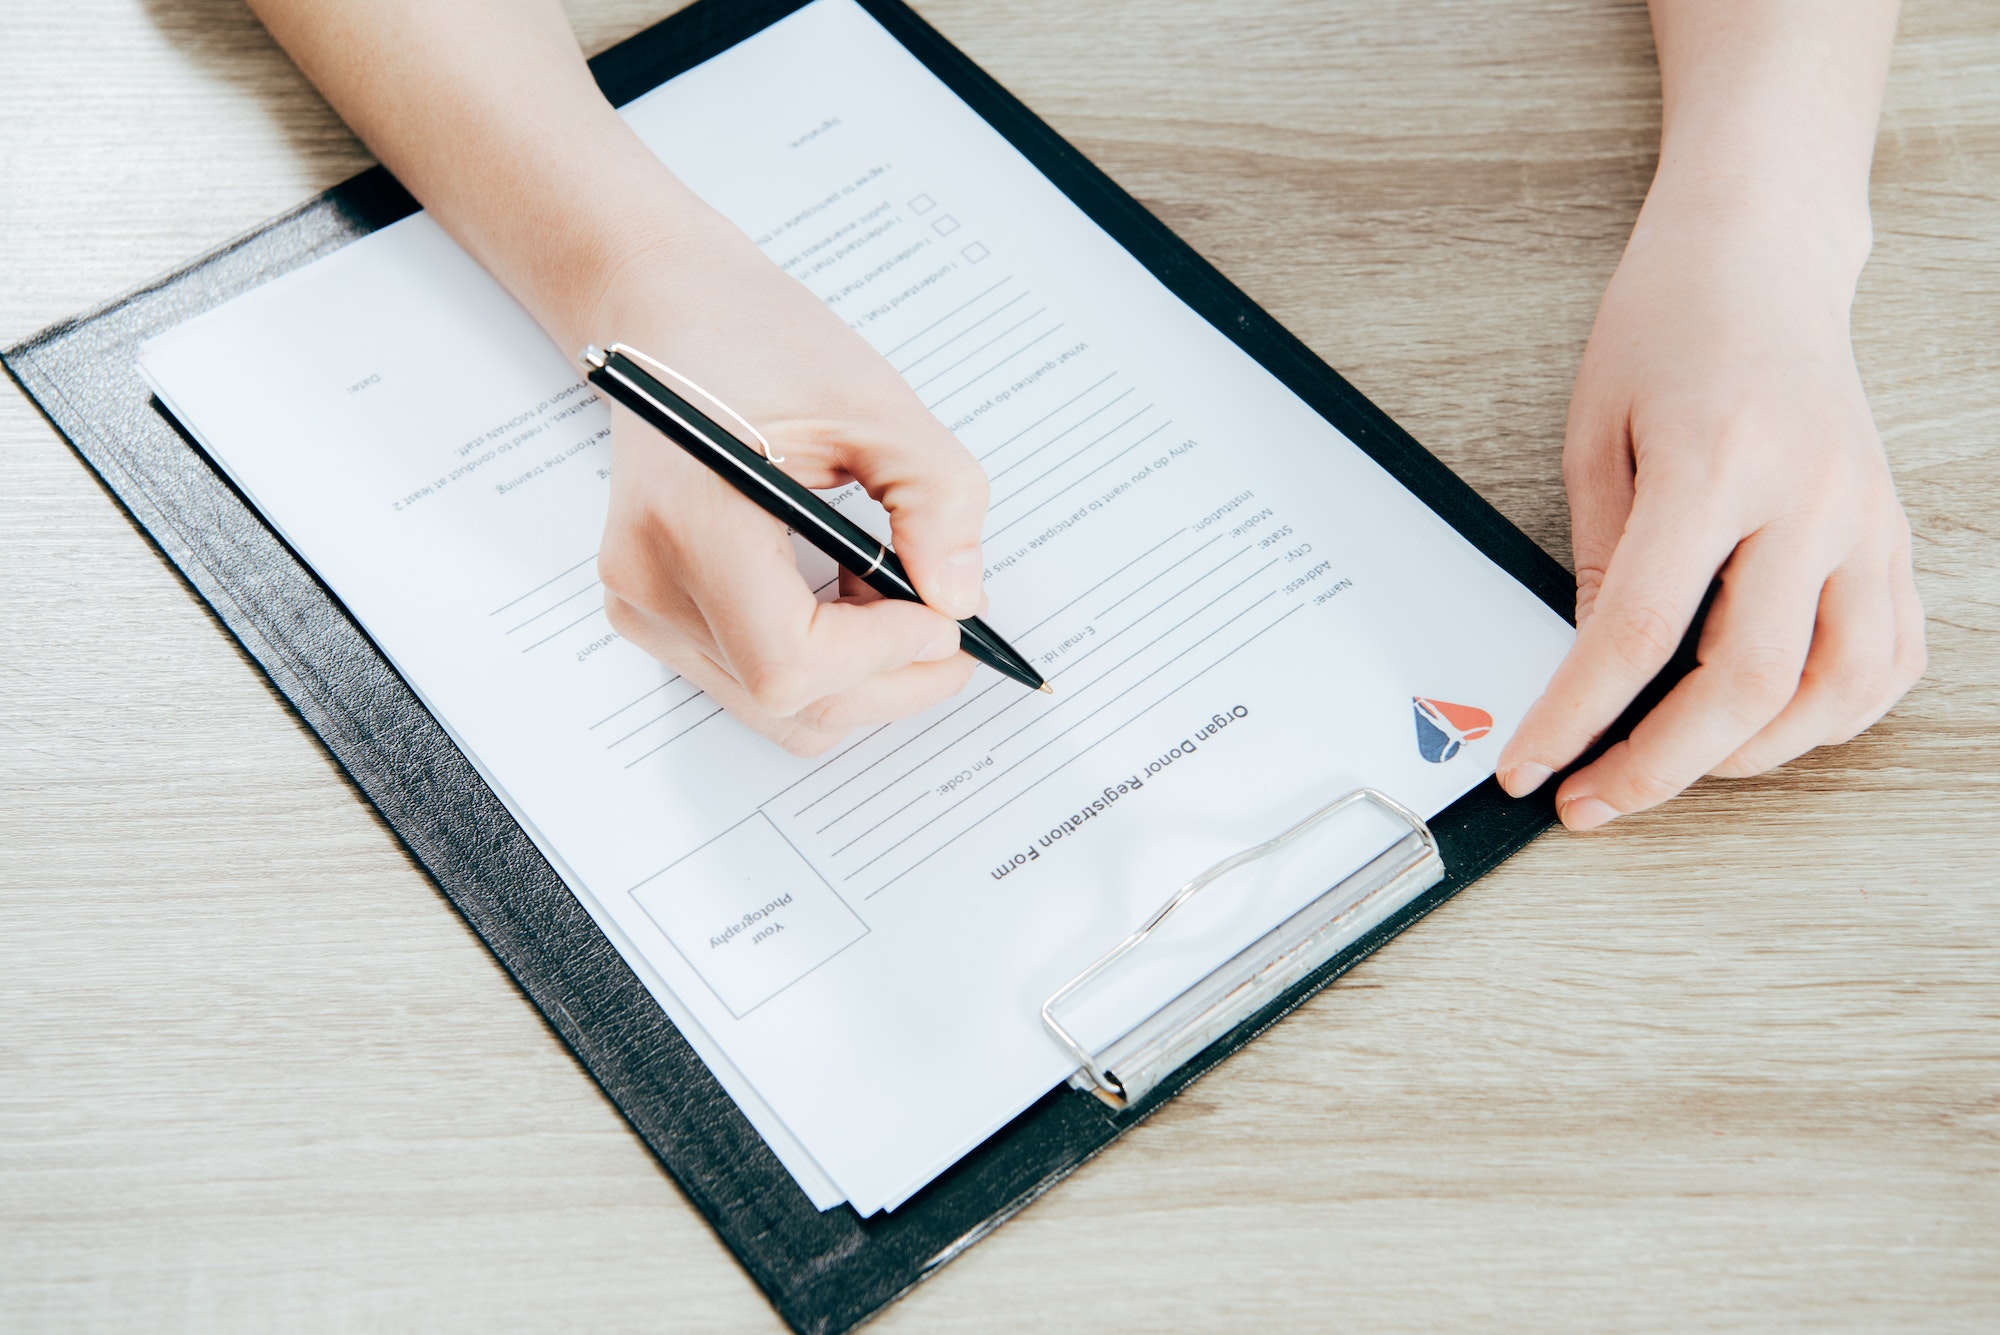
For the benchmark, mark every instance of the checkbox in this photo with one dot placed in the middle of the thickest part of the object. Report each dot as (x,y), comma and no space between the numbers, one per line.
(975,253)
(922,204)
(946,225)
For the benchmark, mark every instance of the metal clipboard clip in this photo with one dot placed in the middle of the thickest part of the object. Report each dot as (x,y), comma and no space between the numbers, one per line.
(1129,1067)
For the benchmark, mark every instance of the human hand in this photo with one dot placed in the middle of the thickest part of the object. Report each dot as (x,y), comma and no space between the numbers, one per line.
(1718,425)
(705,581)
(538,177)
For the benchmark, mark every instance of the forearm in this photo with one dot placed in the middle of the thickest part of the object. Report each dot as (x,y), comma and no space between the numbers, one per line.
(1769,117)
(487,112)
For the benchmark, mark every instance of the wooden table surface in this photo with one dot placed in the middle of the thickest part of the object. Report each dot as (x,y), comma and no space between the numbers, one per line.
(1733,1064)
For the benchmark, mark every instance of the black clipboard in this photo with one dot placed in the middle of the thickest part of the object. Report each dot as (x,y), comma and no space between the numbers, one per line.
(823,1272)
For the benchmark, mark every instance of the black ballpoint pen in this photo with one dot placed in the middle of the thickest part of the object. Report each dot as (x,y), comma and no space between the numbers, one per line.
(640,383)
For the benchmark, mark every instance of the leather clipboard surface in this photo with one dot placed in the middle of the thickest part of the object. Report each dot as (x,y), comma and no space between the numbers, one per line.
(823,1272)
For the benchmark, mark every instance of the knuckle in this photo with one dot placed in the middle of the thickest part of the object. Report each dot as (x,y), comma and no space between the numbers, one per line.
(1743,433)
(952,675)
(1746,761)
(1589,584)
(777,686)
(972,481)
(1582,462)
(1644,633)
(1680,460)
(1843,492)
(624,617)
(962,486)
(620,566)
(807,742)
(633,558)
(1763,677)
(1741,765)
(932,463)
(817,715)
(1842,508)
(1852,728)
(1866,678)
(1644,784)
(932,684)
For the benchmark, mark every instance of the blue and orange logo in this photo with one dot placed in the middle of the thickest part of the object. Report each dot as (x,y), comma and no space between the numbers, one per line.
(1443,728)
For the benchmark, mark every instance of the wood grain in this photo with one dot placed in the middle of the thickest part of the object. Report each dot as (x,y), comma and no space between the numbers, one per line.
(1731,1065)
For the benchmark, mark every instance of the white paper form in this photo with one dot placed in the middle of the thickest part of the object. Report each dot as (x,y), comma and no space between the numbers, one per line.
(1237,608)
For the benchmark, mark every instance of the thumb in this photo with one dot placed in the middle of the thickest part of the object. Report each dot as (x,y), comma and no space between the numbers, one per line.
(935,493)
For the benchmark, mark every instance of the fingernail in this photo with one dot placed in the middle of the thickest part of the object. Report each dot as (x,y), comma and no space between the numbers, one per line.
(943,647)
(1524,779)
(1585,813)
(958,582)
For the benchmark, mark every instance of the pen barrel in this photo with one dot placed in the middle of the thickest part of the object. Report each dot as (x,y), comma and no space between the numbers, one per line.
(975,637)
(852,547)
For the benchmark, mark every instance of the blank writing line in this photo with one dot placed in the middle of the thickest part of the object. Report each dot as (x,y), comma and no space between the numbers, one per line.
(995,715)
(905,370)
(1105,407)
(1102,582)
(655,719)
(947,315)
(921,795)
(991,369)
(629,703)
(890,752)
(1073,759)
(1189,557)
(837,754)
(1060,464)
(1079,481)
(1045,417)
(595,611)
(947,370)
(1107,641)
(1148,645)
(543,585)
(1171,600)
(676,737)
(919,765)
(553,606)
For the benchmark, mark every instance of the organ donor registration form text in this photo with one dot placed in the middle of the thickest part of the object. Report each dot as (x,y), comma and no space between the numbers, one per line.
(1242,615)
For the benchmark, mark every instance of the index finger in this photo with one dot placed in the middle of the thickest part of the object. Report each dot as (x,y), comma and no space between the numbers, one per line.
(936,495)
(783,645)
(1659,572)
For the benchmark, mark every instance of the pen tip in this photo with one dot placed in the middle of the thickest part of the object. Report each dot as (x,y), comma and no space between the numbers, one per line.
(1047,689)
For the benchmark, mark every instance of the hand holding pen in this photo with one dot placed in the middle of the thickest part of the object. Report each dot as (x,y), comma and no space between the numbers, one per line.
(734,450)
(706,581)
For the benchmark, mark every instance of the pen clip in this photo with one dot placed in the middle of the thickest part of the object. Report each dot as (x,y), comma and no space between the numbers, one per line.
(662,371)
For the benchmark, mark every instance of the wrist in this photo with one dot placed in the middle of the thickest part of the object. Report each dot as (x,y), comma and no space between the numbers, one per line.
(637,254)
(1799,223)
(1768,124)
(1744,165)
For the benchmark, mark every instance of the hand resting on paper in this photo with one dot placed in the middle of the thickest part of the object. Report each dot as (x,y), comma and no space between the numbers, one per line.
(1718,428)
